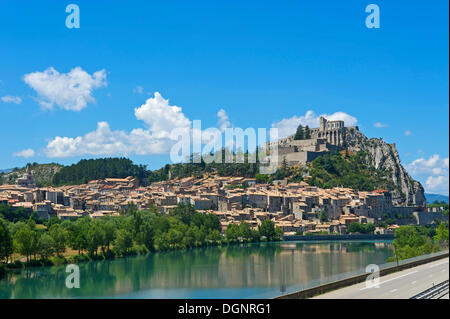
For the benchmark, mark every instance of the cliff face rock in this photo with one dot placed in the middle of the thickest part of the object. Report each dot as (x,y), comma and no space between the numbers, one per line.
(42,173)
(384,156)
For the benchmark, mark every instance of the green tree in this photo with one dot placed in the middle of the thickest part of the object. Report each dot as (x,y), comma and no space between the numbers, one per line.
(77,231)
(323,216)
(232,232)
(355,227)
(46,246)
(412,241)
(174,237)
(108,228)
(93,238)
(267,229)
(123,241)
(299,135)
(307,135)
(442,234)
(26,241)
(245,231)
(6,241)
(59,236)
(214,236)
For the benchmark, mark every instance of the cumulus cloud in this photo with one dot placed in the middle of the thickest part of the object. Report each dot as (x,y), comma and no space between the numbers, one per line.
(160,117)
(288,126)
(433,165)
(104,141)
(437,184)
(162,122)
(224,121)
(25,153)
(379,125)
(434,170)
(69,91)
(11,99)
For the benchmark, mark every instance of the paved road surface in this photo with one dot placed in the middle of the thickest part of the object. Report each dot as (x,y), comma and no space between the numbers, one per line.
(399,285)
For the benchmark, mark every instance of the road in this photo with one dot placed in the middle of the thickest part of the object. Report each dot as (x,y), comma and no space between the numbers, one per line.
(399,285)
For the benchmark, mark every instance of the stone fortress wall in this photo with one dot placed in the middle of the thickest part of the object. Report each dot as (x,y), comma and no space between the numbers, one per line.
(329,136)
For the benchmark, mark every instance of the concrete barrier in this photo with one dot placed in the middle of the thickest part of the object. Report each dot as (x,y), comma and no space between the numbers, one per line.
(340,237)
(311,292)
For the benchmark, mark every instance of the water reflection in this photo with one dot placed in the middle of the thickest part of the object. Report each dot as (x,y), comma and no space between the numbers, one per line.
(240,271)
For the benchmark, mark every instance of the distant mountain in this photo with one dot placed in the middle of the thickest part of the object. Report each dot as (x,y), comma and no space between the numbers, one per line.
(433,197)
(7,170)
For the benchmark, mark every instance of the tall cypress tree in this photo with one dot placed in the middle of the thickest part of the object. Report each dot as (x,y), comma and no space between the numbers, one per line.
(307,135)
(299,134)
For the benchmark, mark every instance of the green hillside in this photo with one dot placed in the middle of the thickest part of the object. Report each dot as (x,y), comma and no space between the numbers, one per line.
(43,174)
(348,170)
(87,170)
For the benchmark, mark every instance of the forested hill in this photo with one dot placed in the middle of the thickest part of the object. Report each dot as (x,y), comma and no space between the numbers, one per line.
(87,170)
(80,173)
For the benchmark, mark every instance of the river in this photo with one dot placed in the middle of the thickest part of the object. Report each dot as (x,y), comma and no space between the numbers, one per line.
(261,270)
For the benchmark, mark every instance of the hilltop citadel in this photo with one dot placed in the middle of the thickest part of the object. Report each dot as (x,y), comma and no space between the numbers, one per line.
(329,136)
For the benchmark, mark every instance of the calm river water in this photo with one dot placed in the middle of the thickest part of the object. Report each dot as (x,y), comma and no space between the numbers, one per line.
(262,270)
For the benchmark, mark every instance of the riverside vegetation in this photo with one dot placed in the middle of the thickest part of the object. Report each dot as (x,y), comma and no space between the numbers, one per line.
(138,232)
(411,241)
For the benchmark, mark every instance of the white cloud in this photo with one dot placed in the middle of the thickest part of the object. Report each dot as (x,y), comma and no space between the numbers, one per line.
(12,99)
(288,126)
(160,117)
(25,153)
(437,184)
(161,120)
(408,133)
(434,170)
(69,91)
(224,121)
(432,165)
(379,125)
(104,141)
(139,90)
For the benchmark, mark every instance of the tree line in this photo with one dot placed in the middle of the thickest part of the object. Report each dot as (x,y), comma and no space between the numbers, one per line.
(137,232)
(302,133)
(411,241)
(91,169)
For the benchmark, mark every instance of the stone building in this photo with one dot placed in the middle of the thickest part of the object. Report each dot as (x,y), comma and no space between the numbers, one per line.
(26,180)
(329,136)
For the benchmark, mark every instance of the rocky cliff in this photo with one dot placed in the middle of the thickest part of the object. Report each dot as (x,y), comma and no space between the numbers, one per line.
(384,156)
(42,173)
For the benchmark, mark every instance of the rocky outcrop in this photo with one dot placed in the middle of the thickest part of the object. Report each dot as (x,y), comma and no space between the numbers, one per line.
(384,156)
(42,173)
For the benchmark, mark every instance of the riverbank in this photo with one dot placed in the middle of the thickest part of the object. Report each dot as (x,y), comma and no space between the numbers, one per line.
(229,271)
(340,237)
(71,256)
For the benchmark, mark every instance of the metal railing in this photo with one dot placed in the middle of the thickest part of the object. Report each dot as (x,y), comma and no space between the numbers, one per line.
(438,291)
(386,267)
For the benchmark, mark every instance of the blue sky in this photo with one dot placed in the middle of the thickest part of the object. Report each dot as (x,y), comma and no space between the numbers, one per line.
(261,62)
